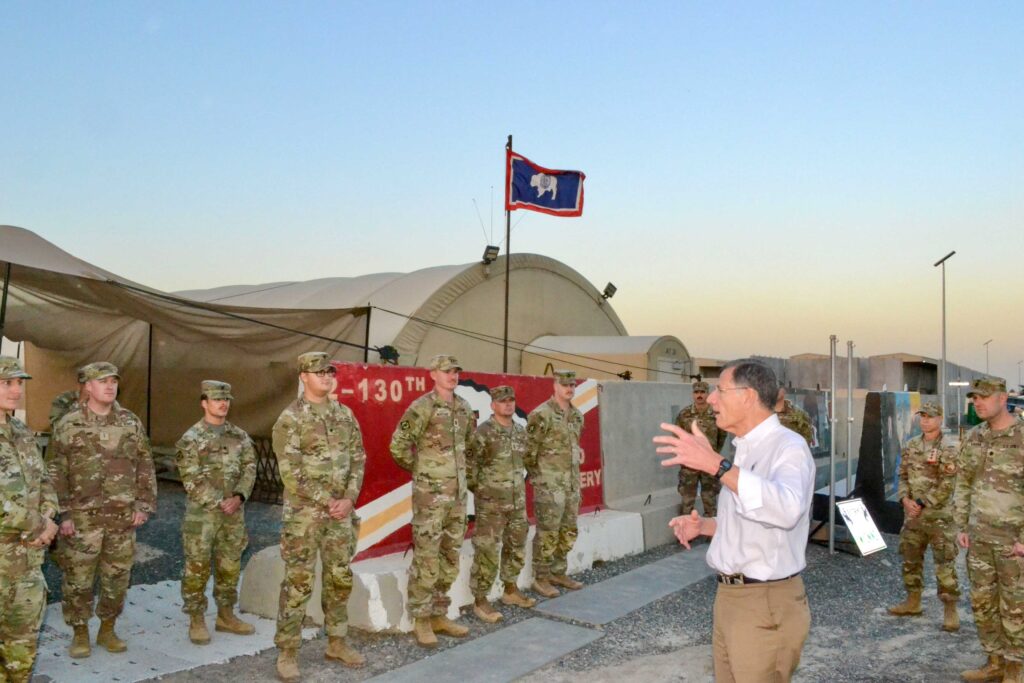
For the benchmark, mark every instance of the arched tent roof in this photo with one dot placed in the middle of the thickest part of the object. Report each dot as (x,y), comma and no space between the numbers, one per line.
(419,312)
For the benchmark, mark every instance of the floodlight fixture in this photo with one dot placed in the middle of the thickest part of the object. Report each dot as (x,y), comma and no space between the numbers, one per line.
(609,291)
(490,254)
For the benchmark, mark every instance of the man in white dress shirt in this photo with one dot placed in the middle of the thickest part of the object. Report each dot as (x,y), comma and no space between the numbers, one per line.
(759,537)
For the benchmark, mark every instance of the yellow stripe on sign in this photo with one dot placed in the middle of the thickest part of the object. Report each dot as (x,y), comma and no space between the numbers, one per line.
(372,524)
(585,397)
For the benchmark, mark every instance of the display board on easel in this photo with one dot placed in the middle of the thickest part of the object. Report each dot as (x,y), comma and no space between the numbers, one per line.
(860,526)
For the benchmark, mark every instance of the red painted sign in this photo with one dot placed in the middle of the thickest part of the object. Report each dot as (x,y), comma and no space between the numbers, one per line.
(380,394)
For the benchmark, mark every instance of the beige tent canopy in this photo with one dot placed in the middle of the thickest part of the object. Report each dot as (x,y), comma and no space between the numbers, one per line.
(70,312)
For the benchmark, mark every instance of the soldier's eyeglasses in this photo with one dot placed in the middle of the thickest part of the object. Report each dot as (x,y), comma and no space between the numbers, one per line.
(325,373)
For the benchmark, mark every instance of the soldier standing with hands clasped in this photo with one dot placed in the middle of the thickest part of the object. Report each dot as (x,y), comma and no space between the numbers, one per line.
(430,442)
(495,474)
(320,455)
(217,465)
(927,478)
(553,460)
(28,504)
(102,470)
(989,505)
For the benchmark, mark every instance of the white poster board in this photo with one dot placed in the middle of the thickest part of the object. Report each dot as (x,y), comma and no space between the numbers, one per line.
(861,526)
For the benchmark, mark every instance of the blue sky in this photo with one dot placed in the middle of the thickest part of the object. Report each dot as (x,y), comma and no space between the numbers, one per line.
(759,175)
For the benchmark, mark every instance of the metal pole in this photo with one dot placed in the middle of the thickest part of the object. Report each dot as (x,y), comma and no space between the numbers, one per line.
(986,354)
(508,262)
(149,384)
(832,449)
(3,299)
(942,368)
(849,418)
(366,337)
(1019,385)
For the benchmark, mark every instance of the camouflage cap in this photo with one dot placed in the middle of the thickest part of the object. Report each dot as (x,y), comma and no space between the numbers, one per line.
(502,393)
(445,362)
(566,377)
(11,368)
(100,370)
(986,386)
(216,391)
(701,385)
(314,361)
(931,409)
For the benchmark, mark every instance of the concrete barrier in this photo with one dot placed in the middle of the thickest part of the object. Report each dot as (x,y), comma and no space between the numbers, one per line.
(634,480)
(379,585)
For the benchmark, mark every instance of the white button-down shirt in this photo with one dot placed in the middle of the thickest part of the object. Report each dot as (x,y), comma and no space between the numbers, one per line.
(762,529)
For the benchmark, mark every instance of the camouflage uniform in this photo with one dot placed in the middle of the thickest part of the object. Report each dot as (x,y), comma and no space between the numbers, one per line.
(928,474)
(495,476)
(320,455)
(216,462)
(430,442)
(688,479)
(797,420)
(989,507)
(26,500)
(61,406)
(102,470)
(553,459)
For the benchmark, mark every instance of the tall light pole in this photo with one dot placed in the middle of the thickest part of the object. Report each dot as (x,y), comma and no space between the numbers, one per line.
(942,368)
(986,354)
(1019,385)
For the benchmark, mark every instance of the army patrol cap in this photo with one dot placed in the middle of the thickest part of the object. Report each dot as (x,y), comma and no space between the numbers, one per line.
(11,368)
(216,391)
(566,377)
(986,386)
(315,361)
(502,393)
(931,409)
(701,386)
(99,370)
(444,363)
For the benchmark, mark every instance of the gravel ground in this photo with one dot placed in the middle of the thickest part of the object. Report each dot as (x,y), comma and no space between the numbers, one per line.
(852,638)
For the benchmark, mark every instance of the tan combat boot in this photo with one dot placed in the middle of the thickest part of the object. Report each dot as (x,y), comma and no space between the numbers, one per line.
(544,589)
(197,632)
(80,642)
(991,671)
(288,665)
(424,632)
(484,612)
(513,596)
(1012,672)
(229,623)
(951,617)
(910,607)
(339,649)
(442,624)
(565,582)
(108,639)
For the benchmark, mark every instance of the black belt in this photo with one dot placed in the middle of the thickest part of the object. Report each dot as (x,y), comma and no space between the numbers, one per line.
(741,580)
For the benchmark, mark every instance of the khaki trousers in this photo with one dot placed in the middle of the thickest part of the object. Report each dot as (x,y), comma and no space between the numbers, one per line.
(759,631)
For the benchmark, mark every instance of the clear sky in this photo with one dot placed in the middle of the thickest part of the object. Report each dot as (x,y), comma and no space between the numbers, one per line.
(759,175)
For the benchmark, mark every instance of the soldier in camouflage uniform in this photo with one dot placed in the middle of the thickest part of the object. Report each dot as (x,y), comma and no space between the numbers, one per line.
(102,470)
(217,465)
(320,455)
(494,473)
(66,402)
(700,411)
(430,442)
(28,505)
(989,514)
(553,458)
(794,418)
(927,478)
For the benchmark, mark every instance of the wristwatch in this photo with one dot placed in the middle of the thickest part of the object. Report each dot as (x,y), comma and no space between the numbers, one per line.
(723,467)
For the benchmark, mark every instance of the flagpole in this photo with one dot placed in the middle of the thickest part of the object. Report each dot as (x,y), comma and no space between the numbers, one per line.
(508,258)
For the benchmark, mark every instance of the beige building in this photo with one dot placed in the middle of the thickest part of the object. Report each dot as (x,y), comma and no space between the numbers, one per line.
(654,359)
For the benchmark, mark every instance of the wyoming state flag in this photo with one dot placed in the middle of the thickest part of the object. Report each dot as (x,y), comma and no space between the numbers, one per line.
(533,187)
